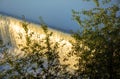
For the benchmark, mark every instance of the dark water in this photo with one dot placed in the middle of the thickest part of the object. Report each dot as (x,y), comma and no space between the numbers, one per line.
(56,13)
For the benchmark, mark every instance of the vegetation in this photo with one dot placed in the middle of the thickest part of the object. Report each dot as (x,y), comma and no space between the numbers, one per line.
(101,36)
(39,61)
(97,47)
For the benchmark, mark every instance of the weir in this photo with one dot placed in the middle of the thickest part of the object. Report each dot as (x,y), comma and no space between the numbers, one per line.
(13,34)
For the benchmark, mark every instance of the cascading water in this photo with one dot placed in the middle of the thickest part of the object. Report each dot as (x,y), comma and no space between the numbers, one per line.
(4,30)
(12,31)
(8,32)
(13,36)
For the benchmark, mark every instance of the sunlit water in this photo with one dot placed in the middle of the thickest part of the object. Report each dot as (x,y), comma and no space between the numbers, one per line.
(56,13)
(13,37)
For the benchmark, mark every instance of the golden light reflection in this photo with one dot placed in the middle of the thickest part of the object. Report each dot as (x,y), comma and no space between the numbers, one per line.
(17,37)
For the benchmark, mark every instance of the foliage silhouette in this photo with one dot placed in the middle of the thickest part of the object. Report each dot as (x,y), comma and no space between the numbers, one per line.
(98,44)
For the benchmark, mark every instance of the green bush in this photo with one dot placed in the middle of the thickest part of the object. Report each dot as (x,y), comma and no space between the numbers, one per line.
(101,36)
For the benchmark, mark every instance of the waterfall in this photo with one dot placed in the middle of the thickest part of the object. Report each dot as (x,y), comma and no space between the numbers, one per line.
(9,31)
(13,34)
(4,30)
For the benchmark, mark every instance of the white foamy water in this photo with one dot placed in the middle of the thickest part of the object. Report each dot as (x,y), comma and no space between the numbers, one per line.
(13,36)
